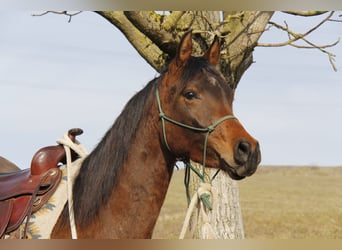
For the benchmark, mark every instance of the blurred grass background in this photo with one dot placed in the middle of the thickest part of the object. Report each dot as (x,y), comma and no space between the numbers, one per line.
(277,203)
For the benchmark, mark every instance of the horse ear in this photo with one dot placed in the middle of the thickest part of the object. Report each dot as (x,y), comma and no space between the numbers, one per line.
(213,53)
(184,49)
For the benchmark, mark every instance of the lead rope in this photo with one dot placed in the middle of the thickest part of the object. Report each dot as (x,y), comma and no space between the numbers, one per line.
(69,192)
(81,151)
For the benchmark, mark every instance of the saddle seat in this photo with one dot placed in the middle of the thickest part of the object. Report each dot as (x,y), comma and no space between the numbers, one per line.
(25,191)
(24,182)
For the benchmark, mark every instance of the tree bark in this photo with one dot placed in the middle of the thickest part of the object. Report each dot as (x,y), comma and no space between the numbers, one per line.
(225,218)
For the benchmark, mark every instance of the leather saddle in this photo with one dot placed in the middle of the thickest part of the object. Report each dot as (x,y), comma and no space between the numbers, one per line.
(26,191)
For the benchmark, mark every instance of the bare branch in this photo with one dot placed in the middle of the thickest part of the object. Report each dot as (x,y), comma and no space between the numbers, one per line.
(145,47)
(321,23)
(64,12)
(331,56)
(335,20)
(305,13)
(293,37)
(332,61)
(313,46)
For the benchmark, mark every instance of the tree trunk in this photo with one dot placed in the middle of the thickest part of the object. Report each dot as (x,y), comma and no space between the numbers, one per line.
(225,218)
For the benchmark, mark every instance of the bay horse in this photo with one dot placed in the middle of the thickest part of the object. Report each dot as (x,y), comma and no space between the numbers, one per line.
(122,183)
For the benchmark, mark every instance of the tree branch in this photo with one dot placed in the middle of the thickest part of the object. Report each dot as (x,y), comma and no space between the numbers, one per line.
(145,47)
(151,25)
(305,13)
(293,37)
(64,12)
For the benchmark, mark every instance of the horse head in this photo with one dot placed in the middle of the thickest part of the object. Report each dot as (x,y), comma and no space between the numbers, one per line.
(195,105)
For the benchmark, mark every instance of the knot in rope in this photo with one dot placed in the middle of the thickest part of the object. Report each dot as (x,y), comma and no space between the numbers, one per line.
(211,128)
(201,198)
(161,114)
(204,194)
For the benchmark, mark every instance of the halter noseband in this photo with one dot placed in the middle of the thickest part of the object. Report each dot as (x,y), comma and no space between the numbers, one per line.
(206,130)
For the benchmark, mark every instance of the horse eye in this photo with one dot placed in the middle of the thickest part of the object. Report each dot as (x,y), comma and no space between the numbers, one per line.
(190,95)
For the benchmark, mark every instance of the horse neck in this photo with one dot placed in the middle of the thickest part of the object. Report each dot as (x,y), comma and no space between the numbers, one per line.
(136,200)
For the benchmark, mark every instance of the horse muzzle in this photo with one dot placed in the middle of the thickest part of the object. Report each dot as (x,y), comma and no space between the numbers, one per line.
(245,161)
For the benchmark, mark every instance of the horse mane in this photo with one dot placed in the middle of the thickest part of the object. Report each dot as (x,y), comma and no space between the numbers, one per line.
(100,169)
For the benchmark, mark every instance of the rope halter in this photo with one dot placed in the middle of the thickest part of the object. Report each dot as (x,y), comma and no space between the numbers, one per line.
(208,130)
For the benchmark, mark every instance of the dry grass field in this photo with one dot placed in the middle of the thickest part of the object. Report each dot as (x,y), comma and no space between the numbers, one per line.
(277,203)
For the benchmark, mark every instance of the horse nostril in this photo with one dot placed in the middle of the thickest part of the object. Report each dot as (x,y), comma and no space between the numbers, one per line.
(244,147)
(242,152)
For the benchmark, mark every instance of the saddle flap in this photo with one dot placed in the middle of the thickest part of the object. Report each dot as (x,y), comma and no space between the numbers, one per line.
(5,214)
(21,206)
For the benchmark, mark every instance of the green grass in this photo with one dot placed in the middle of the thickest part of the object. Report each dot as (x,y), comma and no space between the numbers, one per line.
(276,202)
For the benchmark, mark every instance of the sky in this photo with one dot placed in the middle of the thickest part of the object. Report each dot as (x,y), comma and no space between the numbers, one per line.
(56,75)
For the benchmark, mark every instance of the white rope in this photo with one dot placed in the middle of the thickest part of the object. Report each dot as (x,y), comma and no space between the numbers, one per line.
(76,146)
(207,231)
(81,151)
(69,192)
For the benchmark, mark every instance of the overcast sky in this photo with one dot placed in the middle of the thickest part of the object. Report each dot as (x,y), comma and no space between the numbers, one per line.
(56,75)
